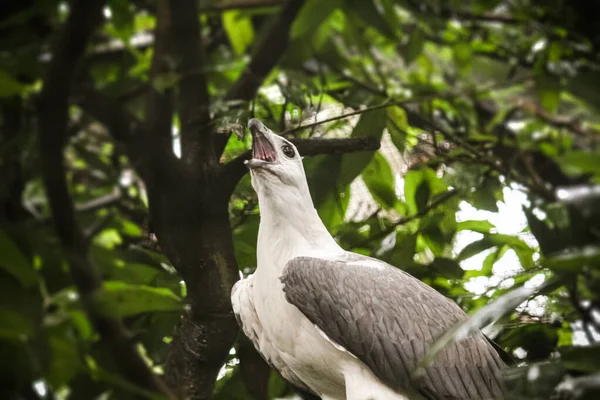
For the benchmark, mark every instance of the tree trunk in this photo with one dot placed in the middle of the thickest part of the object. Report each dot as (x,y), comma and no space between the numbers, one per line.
(190,219)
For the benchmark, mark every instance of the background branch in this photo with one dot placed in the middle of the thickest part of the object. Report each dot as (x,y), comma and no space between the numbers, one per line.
(193,105)
(84,17)
(235,169)
(159,103)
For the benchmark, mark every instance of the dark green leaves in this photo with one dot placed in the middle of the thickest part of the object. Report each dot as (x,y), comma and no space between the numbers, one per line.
(474,248)
(481,226)
(311,15)
(119,299)
(415,44)
(239,30)
(368,12)
(574,260)
(13,261)
(381,183)
(462,53)
(548,88)
(9,86)
(447,268)
(582,358)
(419,187)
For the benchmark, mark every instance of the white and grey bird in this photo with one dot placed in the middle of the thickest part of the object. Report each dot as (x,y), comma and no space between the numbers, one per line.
(339,324)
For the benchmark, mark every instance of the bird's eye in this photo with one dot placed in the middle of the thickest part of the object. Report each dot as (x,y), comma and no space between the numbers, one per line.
(288,150)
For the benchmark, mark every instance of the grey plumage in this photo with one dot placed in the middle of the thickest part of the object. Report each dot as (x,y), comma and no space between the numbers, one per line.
(387,319)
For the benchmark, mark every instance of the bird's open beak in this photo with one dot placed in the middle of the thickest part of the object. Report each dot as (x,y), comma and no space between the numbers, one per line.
(263,151)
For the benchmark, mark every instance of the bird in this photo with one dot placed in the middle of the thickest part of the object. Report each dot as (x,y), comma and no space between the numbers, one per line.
(341,325)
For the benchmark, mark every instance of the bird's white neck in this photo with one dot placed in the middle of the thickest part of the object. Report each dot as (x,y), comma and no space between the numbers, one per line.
(289,228)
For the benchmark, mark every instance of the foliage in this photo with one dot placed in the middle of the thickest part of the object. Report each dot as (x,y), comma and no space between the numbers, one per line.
(481,99)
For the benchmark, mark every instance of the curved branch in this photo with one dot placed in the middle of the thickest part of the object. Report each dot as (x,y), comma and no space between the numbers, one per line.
(267,53)
(235,169)
(194,99)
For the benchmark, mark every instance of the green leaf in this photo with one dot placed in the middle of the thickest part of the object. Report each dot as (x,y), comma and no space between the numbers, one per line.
(486,196)
(422,195)
(462,53)
(65,361)
(380,181)
(370,124)
(523,251)
(14,325)
(491,259)
(420,186)
(239,29)
(412,180)
(311,15)
(481,226)
(366,10)
(581,358)
(244,240)
(474,248)
(119,299)
(13,261)
(404,250)
(579,162)
(447,268)
(9,86)
(397,126)
(415,44)
(333,209)
(574,260)
(548,89)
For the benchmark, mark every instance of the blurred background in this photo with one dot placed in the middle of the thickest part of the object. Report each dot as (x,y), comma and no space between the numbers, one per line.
(456,140)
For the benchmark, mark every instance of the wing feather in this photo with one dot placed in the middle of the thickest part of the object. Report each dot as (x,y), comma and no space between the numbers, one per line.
(387,319)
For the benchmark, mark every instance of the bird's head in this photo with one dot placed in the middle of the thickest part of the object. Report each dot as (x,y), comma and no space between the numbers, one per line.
(276,168)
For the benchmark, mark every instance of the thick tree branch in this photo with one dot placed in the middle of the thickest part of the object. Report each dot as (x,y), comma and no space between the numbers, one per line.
(53,116)
(159,103)
(235,169)
(266,54)
(222,6)
(193,93)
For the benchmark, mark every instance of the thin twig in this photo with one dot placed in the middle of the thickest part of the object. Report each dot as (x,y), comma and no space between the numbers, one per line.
(100,202)
(362,111)
(98,226)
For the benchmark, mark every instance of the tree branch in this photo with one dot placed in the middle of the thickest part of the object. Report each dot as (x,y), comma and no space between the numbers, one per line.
(235,169)
(365,110)
(159,105)
(266,54)
(223,6)
(85,16)
(194,100)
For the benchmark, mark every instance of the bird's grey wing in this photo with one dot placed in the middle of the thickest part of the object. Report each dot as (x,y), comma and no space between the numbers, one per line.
(245,314)
(387,318)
